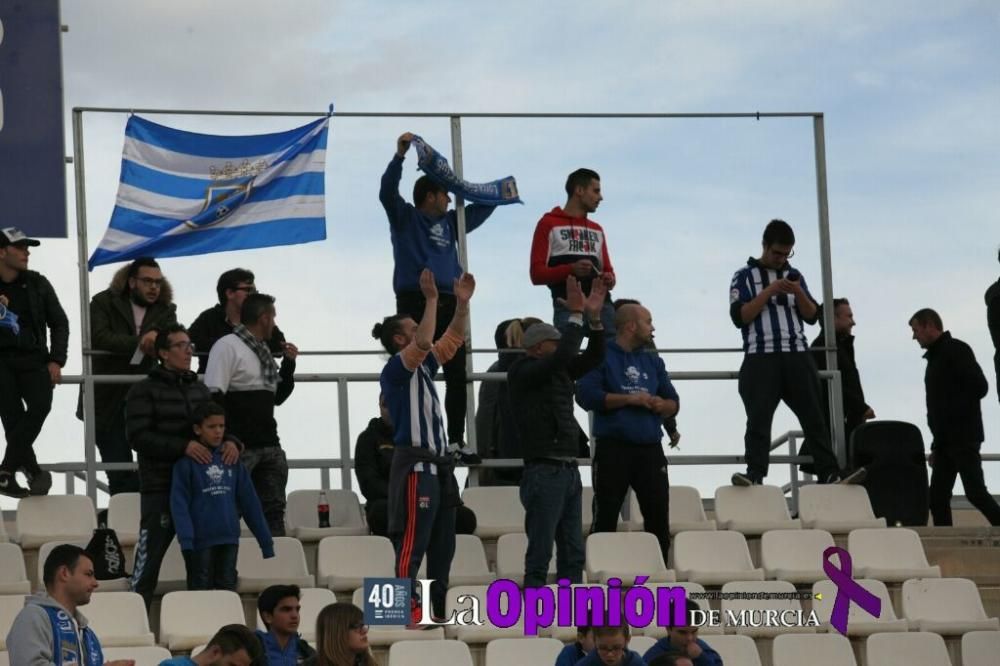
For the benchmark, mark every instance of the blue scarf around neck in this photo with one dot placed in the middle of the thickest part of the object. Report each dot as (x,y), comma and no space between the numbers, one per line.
(66,643)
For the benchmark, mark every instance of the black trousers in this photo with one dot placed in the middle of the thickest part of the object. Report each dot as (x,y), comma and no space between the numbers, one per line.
(619,465)
(951,461)
(112,442)
(25,401)
(767,379)
(377,516)
(412,303)
(156,531)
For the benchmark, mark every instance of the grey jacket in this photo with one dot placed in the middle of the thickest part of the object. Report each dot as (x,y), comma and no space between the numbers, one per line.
(30,640)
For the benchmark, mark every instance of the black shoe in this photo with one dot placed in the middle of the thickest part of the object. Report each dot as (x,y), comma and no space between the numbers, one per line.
(744,480)
(10,487)
(463,454)
(852,478)
(39,483)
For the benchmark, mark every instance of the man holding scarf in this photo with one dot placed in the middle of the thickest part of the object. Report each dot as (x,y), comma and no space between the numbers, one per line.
(425,235)
(50,629)
(242,369)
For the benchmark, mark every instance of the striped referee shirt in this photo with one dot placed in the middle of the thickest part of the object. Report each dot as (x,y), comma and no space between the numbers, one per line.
(778,327)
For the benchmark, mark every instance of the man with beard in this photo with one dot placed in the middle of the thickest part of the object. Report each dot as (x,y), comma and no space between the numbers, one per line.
(124,321)
(630,395)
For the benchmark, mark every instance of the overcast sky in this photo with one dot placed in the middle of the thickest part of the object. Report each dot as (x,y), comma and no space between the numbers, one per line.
(910,92)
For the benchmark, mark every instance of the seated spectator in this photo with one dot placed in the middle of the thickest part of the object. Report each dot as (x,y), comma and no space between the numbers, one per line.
(233,645)
(579,649)
(684,641)
(207,499)
(51,618)
(496,435)
(372,461)
(282,645)
(341,638)
(611,648)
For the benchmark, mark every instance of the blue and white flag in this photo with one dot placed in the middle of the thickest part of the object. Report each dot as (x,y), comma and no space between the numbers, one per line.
(183,193)
(494,193)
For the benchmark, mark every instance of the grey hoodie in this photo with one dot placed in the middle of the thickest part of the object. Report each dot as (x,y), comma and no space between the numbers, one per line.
(30,640)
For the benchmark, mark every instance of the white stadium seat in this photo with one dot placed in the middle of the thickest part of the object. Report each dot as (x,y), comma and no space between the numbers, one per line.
(124,514)
(469,566)
(343,562)
(422,653)
(380,635)
(891,555)
(507,651)
(736,650)
(794,555)
(173,572)
(657,631)
(947,606)
(302,519)
(713,558)
(815,650)
(859,622)
(55,518)
(119,619)
(10,606)
(626,555)
(287,567)
(753,510)
(641,644)
(13,577)
(189,619)
(836,508)
(687,512)
(980,648)
(771,602)
(488,631)
(510,557)
(907,649)
(498,510)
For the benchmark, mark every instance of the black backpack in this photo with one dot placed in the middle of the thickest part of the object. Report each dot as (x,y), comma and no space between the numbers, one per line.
(106,552)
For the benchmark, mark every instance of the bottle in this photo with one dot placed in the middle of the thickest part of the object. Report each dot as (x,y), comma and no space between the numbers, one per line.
(323,510)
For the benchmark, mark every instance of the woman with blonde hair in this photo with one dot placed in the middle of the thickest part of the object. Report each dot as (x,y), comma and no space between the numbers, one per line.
(341,637)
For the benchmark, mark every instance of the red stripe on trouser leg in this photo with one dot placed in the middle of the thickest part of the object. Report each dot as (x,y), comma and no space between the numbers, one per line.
(409,534)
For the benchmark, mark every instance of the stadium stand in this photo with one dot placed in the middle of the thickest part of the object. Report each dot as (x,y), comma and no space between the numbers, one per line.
(10,606)
(656,631)
(626,555)
(469,566)
(566,634)
(387,634)
(456,601)
(346,517)
(13,576)
(119,619)
(736,649)
(736,605)
(687,512)
(713,558)
(794,555)
(173,573)
(916,648)
(498,510)
(66,518)
(123,517)
(505,651)
(343,562)
(641,643)
(753,510)
(825,649)
(191,618)
(859,622)
(421,653)
(510,557)
(980,648)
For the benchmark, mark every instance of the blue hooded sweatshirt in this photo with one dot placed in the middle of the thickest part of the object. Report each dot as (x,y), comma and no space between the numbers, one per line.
(637,371)
(630,658)
(207,500)
(708,657)
(418,242)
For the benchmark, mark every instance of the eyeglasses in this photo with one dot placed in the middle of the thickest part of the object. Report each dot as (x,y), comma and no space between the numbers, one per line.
(181,345)
(358,626)
(150,282)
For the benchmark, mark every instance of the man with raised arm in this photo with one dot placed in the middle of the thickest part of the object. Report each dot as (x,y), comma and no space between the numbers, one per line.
(567,242)
(424,235)
(541,396)
(768,302)
(423,493)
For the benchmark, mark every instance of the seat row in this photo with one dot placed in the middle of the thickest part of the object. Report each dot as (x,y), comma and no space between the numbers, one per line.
(751,511)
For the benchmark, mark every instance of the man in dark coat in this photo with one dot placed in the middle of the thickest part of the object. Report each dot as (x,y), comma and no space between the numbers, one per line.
(124,321)
(955,386)
(993,321)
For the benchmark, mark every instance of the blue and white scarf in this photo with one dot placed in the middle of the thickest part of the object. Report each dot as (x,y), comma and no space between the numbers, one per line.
(66,643)
(9,320)
(494,193)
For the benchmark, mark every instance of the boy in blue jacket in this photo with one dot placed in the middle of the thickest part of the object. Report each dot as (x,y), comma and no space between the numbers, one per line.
(611,648)
(576,651)
(207,498)
(684,641)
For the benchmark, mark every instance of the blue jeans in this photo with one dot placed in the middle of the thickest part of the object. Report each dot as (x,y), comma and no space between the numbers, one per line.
(560,318)
(212,568)
(552,498)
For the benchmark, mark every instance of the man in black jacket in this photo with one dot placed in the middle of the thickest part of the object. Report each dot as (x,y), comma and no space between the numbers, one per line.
(856,410)
(29,369)
(993,321)
(373,461)
(232,288)
(158,421)
(124,320)
(541,393)
(955,386)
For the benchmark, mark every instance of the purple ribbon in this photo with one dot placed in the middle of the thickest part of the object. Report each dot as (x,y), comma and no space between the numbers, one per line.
(847,589)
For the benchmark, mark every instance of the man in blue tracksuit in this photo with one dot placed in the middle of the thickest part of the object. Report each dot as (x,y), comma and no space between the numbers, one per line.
(684,641)
(630,395)
(425,235)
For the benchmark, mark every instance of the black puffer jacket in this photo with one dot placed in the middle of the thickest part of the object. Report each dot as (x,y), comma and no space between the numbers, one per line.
(541,395)
(158,420)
